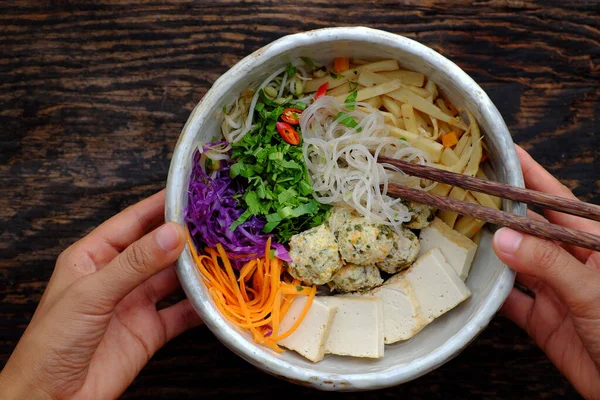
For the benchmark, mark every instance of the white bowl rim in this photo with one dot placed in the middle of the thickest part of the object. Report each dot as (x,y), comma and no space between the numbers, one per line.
(266,360)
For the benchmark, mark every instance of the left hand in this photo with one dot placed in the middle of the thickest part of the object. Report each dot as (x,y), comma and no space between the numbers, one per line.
(97,323)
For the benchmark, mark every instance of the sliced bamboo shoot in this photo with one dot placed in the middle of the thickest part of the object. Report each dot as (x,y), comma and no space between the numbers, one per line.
(407,77)
(406,96)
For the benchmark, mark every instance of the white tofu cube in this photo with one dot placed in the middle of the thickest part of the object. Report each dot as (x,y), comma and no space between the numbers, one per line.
(458,250)
(401,317)
(436,286)
(357,328)
(310,337)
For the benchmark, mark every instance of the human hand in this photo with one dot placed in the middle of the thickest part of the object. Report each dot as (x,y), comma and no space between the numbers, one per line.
(563,317)
(97,323)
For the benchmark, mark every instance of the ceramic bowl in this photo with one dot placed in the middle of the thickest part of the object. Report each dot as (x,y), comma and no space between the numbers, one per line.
(490,281)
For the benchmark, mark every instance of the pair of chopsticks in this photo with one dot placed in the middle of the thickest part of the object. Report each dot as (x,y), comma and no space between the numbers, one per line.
(519,223)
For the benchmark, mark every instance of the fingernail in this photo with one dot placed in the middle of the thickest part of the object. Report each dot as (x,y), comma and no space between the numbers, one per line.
(507,240)
(167,237)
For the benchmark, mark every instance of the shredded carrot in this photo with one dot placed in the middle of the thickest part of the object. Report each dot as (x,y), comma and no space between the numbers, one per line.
(258,298)
(275,313)
(313,292)
(294,289)
(341,64)
(450,139)
(287,303)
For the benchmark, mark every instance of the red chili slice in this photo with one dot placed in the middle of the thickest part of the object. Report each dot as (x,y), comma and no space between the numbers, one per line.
(322,90)
(288,133)
(291,115)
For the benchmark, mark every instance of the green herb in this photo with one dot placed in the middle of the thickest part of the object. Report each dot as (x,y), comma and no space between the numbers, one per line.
(287,195)
(353,86)
(299,288)
(350,100)
(291,70)
(335,76)
(274,174)
(345,119)
(310,63)
(252,202)
(403,138)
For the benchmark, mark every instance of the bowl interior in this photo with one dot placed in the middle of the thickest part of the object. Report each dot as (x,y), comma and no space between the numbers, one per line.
(489,280)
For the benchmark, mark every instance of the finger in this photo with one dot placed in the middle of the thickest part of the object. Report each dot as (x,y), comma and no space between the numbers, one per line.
(178,318)
(574,283)
(545,296)
(530,282)
(114,235)
(536,216)
(593,261)
(102,245)
(160,285)
(140,261)
(517,308)
(537,178)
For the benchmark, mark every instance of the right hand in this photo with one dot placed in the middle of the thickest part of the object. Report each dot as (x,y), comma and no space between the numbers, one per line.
(563,318)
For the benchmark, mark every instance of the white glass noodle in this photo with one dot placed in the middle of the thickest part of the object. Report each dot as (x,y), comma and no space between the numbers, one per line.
(342,161)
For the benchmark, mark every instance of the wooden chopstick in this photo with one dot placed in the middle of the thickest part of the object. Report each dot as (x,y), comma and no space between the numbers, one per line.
(544,200)
(534,227)
(519,223)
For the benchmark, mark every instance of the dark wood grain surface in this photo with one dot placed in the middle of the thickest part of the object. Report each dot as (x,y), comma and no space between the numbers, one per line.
(93,96)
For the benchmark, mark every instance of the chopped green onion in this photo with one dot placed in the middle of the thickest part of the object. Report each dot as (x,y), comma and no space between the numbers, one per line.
(345,119)
(270,91)
(350,100)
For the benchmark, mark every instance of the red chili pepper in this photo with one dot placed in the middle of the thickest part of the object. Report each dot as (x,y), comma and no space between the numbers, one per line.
(290,115)
(322,90)
(288,133)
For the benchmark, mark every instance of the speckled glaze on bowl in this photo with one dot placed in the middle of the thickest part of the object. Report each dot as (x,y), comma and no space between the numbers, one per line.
(490,281)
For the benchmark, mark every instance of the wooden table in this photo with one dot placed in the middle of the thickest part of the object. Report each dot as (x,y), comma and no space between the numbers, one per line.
(93,97)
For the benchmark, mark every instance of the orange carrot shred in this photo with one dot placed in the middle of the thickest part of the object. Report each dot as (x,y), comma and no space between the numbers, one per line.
(257,298)
(275,314)
(309,301)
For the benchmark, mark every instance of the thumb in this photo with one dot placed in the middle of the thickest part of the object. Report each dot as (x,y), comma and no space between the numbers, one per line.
(136,264)
(574,283)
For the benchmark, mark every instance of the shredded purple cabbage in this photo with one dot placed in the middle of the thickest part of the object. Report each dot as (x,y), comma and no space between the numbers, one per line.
(212,209)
